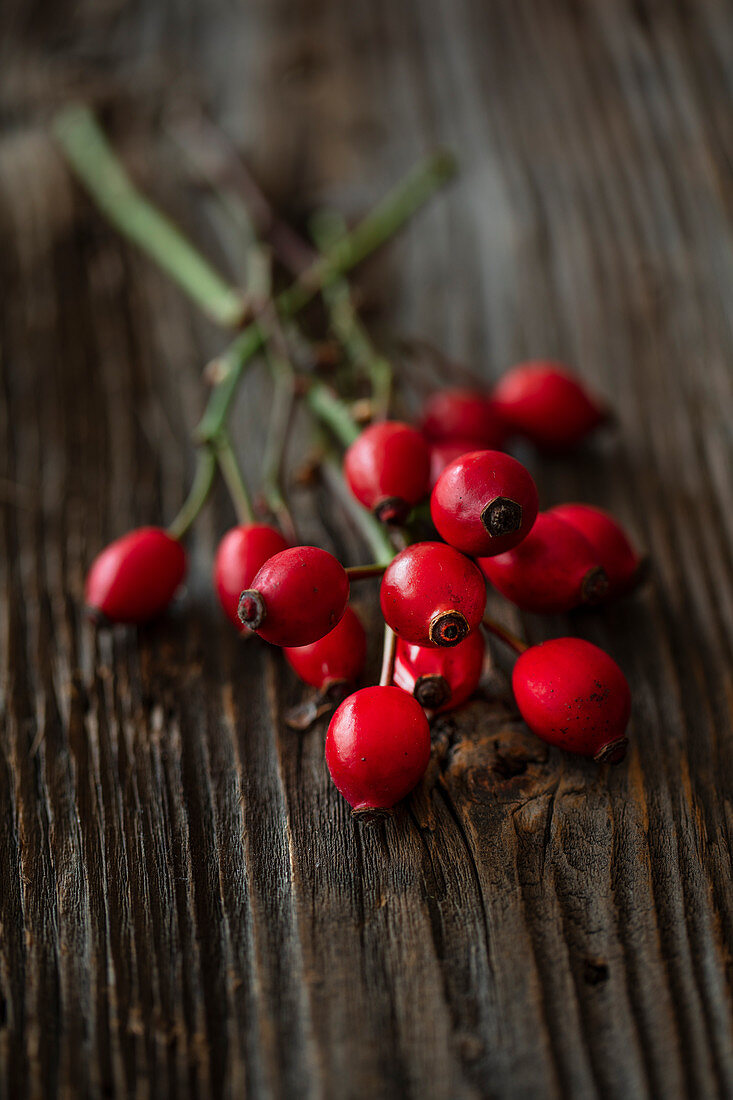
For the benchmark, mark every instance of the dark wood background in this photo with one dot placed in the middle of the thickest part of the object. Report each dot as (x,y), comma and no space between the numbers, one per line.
(186,907)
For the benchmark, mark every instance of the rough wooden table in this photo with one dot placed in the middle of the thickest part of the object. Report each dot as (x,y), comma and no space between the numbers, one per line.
(186,907)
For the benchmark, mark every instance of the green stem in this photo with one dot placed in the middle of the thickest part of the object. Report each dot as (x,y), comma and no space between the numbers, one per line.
(371,529)
(209,154)
(233,477)
(94,162)
(505,635)
(283,398)
(333,412)
(327,227)
(96,165)
(198,493)
(374,230)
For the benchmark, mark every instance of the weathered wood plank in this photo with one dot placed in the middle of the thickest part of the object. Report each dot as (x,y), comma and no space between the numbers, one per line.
(186,908)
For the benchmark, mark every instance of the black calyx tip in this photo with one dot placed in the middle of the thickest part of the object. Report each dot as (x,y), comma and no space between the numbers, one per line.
(501,516)
(612,753)
(96,616)
(594,588)
(432,691)
(371,815)
(251,609)
(448,628)
(392,510)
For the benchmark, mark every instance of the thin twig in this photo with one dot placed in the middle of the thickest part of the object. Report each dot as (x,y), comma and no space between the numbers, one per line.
(198,493)
(233,477)
(370,528)
(505,635)
(365,572)
(98,168)
(327,227)
(389,651)
(333,412)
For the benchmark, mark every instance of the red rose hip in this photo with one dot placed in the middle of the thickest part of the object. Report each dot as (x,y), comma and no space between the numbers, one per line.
(484,503)
(553,570)
(337,658)
(297,597)
(463,414)
(388,470)
(440,679)
(241,554)
(432,595)
(445,452)
(616,554)
(135,577)
(547,404)
(573,695)
(377,747)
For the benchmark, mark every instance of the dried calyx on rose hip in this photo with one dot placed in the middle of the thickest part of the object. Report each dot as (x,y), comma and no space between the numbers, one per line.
(135,577)
(387,469)
(432,595)
(622,563)
(554,569)
(240,555)
(547,404)
(377,747)
(440,679)
(334,661)
(484,502)
(464,414)
(297,597)
(573,695)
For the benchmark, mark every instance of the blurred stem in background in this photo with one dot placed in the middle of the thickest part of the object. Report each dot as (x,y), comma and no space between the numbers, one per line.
(97,167)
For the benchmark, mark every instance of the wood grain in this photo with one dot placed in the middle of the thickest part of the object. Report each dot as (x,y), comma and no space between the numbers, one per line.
(186,907)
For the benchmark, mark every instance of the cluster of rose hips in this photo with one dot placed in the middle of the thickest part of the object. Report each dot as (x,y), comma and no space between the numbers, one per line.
(484,506)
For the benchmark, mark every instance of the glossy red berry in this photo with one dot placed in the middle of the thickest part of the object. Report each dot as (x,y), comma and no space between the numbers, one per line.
(547,404)
(297,597)
(440,679)
(432,595)
(135,577)
(463,414)
(615,552)
(337,658)
(445,452)
(388,469)
(573,695)
(553,570)
(241,553)
(484,502)
(377,747)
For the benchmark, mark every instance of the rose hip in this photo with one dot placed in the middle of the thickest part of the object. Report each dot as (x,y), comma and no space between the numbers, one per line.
(337,658)
(432,595)
(388,470)
(547,404)
(445,452)
(615,552)
(463,414)
(553,570)
(297,597)
(135,577)
(440,679)
(377,747)
(484,503)
(573,695)
(241,554)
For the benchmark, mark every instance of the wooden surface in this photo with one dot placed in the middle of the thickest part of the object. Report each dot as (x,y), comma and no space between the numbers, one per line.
(186,907)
